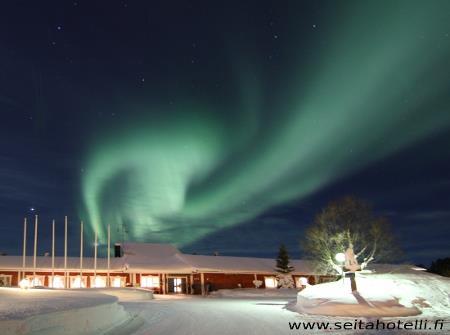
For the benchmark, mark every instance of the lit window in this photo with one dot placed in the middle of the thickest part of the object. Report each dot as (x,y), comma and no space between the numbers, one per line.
(98,281)
(117,282)
(77,282)
(150,281)
(178,285)
(36,280)
(271,282)
(56,281)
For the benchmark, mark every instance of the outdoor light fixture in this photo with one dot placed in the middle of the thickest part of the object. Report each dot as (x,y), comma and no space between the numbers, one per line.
(340,257)
(303,281)
(25,283)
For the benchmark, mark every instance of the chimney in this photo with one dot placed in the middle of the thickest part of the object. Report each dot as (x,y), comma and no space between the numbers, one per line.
(118,250)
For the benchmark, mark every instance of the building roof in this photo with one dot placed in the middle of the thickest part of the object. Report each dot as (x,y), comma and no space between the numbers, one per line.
(166,257)
(155,257)
(160,258)
(242,264)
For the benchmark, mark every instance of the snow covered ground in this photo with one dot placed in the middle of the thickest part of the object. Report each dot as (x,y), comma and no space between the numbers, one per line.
(421,296)
(46,311)
(193,315)
(229,312)
(256,293)
(209,316)
(125,294)
(380,295)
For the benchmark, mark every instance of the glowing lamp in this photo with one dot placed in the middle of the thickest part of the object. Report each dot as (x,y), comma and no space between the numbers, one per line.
(340,257)
(25,284)
(303,281)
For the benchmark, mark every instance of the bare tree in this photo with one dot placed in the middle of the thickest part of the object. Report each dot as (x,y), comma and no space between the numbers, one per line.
(349,221)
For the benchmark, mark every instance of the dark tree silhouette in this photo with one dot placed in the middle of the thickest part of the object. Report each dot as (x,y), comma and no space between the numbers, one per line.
(441,267)
(283,261)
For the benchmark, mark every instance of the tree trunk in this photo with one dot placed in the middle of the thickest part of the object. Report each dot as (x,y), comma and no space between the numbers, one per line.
(353,283)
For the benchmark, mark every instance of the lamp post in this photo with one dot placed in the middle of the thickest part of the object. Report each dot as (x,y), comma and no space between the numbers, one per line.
(340,258)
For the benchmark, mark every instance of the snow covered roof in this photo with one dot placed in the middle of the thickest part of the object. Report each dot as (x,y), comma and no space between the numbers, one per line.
(242,264)
(154,257)
(166,258)
(161,258)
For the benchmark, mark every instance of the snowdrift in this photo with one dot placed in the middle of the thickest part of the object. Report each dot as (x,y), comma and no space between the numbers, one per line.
(125,294)
(256,293)
(58,312)
(380,295)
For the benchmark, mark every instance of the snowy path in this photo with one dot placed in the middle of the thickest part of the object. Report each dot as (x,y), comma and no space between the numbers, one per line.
(193,315)
(224,316)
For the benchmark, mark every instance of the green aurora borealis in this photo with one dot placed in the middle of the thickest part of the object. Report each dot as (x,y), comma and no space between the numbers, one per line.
(373,89)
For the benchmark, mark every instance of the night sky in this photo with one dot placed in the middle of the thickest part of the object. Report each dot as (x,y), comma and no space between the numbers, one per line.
(224,126)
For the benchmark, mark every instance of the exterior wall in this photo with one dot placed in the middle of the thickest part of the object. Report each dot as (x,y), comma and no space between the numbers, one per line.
(229,280)
(14,276)
(325,279)
(217,281)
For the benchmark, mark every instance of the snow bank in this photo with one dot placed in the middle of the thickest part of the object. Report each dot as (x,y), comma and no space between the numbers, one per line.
(255,293)
(125,294)
(381,295)
(58,312)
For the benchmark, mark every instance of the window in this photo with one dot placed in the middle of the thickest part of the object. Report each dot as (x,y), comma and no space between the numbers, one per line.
(270,282)
(77,282)
(117,281)
(36,280)
(56,281)
(98,281)
(178,285)
(150,281)
(5,280)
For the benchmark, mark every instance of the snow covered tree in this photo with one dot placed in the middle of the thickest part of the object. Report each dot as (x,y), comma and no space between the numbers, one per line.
(285,281)
(257,283)
(349,221)
(284,278)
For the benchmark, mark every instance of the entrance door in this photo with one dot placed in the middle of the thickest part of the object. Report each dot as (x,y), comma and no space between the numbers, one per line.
(176,285)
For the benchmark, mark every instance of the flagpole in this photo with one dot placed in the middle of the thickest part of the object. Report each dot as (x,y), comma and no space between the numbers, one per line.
(24,251)
(109,254)
(65,253)
(53,253)
(35,247)
(95,259)
(81,254)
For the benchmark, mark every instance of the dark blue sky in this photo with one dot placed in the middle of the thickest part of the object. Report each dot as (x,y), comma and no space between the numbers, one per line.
(72,73)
